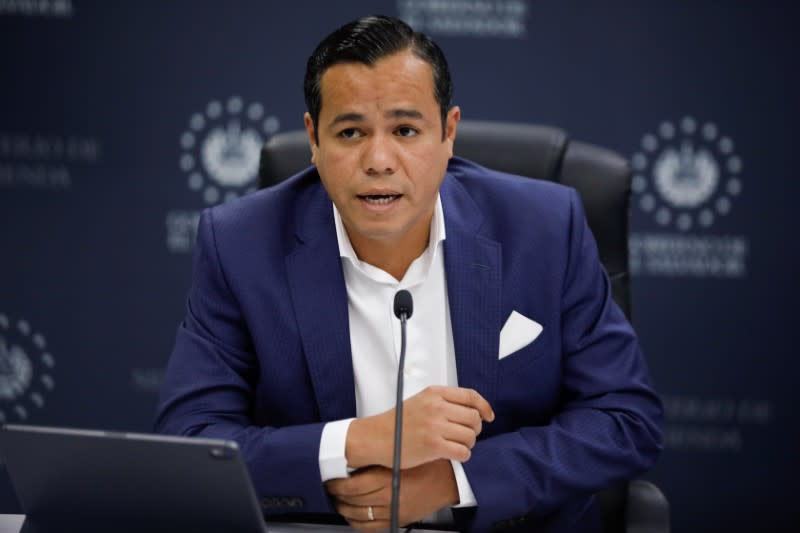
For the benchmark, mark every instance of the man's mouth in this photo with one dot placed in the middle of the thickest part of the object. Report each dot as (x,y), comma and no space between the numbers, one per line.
(379,199)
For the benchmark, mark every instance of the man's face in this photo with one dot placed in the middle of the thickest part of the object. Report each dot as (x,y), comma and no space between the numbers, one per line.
(379,149)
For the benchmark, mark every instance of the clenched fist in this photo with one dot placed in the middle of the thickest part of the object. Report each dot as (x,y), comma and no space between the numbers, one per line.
(438,423)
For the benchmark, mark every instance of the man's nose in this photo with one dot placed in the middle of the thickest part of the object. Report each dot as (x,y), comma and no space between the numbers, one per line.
(380,156)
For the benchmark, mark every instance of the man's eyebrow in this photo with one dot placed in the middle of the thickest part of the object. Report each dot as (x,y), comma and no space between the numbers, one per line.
(405,113)
(347,117)
(392,113)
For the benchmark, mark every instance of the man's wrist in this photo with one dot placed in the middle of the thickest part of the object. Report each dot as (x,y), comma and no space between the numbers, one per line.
(367,443)
(449,489)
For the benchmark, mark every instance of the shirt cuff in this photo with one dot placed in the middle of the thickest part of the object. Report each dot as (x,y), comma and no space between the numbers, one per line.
(332,459)
(466,498)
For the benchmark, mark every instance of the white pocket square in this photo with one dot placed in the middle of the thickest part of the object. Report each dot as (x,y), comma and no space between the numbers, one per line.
(518,332)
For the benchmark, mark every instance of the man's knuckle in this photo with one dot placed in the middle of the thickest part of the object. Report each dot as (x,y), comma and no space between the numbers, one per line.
(475,417)
(423,402)
(465,454)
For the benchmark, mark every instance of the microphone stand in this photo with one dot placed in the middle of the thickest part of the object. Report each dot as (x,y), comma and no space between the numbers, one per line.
(403,307)
(398,424)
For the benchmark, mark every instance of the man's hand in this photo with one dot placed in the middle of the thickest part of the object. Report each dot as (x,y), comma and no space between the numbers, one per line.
(438,423)
(423,490)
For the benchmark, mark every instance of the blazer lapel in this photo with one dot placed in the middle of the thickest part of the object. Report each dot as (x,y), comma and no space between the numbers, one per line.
(319,295)
(473,265)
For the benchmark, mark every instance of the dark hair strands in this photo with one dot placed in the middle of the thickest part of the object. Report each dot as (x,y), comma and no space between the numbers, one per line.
(366,41)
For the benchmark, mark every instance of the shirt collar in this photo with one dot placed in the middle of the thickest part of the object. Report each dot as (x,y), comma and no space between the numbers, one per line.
(437,233)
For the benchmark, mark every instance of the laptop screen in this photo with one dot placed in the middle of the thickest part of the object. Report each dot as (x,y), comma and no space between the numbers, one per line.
(124,478)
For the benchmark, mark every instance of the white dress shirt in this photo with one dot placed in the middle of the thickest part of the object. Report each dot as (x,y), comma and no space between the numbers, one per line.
(375,343)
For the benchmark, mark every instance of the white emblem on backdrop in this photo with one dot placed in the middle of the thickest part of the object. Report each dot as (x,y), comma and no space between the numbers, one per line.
(220,151)
(695,174)
(221,148)
(686,177)
(475,18)
(25,369)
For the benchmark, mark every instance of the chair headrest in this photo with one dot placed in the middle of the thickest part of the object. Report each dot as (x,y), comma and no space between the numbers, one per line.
(529,150)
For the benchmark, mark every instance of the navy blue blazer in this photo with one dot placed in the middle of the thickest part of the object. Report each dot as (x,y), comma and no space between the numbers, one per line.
(263,355)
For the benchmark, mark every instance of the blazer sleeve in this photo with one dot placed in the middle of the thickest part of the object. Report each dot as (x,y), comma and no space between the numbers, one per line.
(209,385)
(608,427)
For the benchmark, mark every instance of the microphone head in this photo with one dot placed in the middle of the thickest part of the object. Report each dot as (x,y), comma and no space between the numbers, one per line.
(403,304)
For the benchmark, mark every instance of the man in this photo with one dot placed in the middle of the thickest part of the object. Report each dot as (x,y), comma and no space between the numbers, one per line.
(526,390)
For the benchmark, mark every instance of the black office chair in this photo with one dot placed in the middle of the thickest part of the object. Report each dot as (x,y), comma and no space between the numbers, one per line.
(603,180)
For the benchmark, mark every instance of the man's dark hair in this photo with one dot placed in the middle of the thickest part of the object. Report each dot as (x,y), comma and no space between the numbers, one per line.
(365,41)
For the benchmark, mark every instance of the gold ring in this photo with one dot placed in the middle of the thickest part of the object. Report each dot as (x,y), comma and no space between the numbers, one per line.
(370,515)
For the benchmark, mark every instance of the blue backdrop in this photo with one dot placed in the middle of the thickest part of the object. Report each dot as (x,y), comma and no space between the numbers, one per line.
(120,121)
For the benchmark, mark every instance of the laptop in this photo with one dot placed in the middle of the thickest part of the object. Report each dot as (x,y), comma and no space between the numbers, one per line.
(81,480)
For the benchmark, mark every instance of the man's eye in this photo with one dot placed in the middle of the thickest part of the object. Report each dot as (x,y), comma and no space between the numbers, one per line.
(406,131)
(349,133)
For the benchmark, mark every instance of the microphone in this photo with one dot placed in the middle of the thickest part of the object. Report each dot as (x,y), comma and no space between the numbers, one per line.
(403,307)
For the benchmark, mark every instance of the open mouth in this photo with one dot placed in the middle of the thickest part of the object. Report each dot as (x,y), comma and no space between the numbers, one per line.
(379,199)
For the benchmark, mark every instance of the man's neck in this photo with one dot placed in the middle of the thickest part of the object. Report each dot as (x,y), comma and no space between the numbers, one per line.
(390,256)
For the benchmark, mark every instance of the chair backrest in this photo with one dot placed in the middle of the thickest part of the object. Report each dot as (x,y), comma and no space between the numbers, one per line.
(601,177)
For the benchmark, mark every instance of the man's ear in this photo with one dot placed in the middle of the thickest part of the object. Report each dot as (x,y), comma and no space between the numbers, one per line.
(312,140)
(451,126)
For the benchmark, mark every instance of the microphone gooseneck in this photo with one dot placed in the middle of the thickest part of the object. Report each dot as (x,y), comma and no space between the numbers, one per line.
(403,307)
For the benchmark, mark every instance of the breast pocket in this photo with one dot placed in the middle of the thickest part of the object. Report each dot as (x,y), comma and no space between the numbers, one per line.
(517,333)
